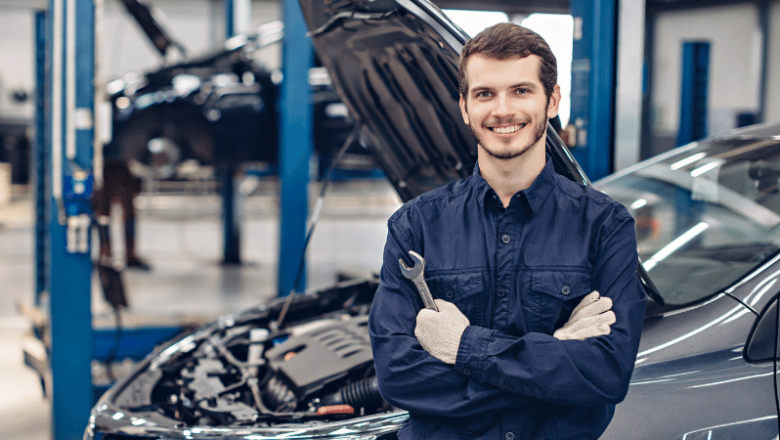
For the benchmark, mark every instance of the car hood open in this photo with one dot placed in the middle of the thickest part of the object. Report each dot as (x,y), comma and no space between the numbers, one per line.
(395,65)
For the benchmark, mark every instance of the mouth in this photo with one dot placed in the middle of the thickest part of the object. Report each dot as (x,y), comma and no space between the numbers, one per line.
(507,129)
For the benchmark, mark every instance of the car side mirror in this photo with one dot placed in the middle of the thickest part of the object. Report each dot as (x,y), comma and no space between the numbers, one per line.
(762,340)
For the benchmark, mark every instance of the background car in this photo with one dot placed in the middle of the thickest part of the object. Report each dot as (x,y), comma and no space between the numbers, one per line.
(217,108)
(304,369)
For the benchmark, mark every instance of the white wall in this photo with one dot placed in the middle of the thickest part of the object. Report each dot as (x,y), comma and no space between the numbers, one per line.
(196,24)
(17,60)
(735,57)
(773,77)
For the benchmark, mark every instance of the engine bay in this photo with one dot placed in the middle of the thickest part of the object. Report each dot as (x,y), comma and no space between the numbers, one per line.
(315,370)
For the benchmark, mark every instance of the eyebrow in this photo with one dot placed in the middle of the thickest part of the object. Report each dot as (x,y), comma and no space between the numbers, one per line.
(481,89)
(525,84)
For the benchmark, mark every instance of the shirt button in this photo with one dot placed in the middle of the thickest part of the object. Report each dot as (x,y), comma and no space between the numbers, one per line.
(506,386)
(565,290)
(509,436)
(467,371)
(506,238)
(501,293)
(449,294)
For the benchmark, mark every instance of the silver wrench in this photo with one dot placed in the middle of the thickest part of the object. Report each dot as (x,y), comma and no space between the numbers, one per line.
(417,275)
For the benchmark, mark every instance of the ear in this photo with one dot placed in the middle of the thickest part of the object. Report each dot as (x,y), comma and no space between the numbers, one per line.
(555,101)
(463,111)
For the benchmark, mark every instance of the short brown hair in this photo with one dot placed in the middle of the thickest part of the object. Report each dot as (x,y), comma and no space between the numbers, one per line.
(508,40)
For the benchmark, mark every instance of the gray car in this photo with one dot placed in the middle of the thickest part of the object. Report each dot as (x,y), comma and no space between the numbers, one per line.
(708,229)
(707,217)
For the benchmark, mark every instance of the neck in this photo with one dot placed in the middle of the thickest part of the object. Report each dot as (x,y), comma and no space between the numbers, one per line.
(508,176)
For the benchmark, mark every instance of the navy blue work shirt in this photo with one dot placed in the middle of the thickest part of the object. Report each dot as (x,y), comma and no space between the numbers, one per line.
(516,273)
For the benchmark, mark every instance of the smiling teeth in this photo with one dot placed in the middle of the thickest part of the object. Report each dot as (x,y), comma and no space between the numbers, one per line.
(510,129)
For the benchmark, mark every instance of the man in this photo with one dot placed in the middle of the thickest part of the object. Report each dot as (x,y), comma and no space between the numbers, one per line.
(510,252)
(119,185)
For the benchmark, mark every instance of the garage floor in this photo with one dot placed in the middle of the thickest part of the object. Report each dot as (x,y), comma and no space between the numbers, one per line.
(179,234)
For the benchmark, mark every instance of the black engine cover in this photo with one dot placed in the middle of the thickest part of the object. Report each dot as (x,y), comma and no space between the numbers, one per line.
(322,355)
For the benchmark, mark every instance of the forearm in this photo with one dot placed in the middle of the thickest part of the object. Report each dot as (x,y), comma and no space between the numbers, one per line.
(577,373)
(411,379)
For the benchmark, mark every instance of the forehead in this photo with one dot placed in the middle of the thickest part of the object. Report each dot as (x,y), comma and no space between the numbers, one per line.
(483,71)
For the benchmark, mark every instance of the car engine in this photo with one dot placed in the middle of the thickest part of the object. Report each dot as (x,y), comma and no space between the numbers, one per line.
(245,374)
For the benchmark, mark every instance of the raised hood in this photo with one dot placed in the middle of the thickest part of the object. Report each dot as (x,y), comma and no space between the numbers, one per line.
(395,65)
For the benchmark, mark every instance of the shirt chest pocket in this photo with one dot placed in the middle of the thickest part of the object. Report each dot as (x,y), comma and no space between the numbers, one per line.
(553,296)
(462,289)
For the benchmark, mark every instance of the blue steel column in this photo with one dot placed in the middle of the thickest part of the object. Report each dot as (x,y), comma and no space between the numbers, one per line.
(764,14)
(593,84)
(693,99)
(40,159)
(72,36)
(295,148)
(229,22)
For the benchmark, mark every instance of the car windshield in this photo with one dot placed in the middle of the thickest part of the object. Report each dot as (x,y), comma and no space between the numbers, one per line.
(706,214)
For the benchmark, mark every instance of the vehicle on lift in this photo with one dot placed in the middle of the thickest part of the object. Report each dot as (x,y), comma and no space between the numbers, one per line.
(707,225)
(217,108)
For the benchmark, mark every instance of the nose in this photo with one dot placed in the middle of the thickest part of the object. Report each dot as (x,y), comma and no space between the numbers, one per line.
(502,105)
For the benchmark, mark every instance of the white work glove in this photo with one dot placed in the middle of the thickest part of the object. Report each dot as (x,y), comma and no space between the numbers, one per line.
(439,332)
(592,317)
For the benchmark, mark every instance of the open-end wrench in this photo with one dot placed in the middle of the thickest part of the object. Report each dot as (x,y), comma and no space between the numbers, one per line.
(417,275)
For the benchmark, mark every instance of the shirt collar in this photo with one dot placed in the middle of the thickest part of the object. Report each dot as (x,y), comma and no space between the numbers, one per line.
(481,186)
(535,195)
(543,185)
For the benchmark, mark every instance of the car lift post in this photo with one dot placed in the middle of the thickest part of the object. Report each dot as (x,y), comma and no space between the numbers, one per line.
(236,15)
(41,159)
(70,138)
(693,99)
(295,146)
(593,84)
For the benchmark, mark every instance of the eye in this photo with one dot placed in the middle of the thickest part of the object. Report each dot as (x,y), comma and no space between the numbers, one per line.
(484,94)
(522,91)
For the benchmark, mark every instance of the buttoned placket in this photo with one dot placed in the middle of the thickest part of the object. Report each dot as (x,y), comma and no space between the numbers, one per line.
(507,248)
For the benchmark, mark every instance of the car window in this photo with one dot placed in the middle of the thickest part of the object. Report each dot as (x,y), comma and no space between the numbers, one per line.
(706,214)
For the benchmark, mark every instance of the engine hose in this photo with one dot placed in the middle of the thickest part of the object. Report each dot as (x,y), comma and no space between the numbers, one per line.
(278,396)
(364,393)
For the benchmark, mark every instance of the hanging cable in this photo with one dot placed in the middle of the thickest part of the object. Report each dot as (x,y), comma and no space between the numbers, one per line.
(113,288)
(314,219)
(115,347)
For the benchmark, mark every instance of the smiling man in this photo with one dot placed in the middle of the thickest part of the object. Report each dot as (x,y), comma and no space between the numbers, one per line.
(523,345)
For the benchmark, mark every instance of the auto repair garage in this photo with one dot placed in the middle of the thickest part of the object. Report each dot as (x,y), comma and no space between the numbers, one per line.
(197,205)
